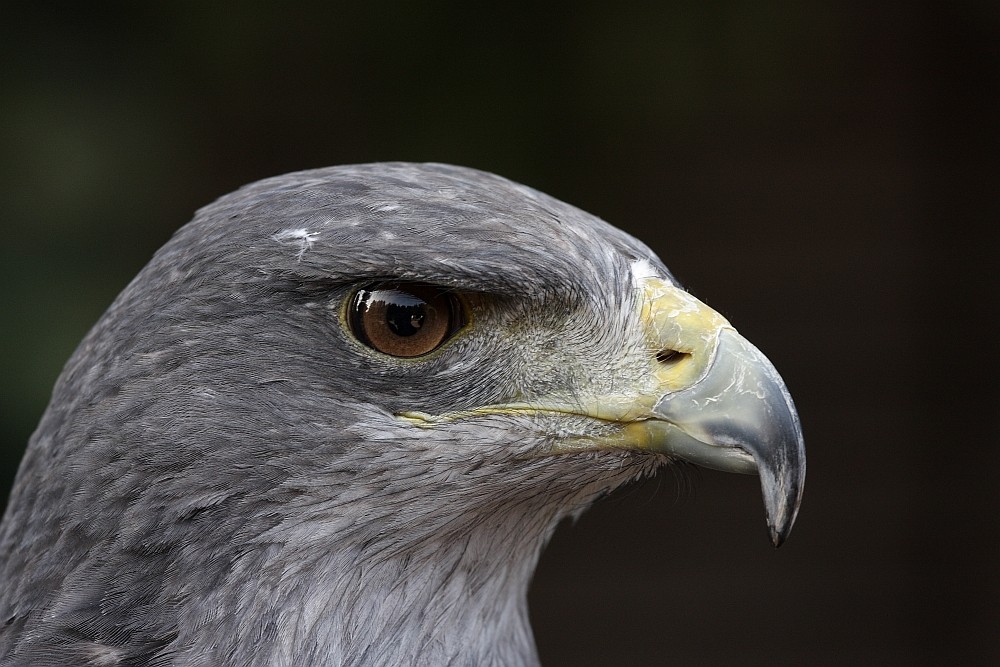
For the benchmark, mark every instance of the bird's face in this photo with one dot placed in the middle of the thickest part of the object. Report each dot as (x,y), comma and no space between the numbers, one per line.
(417,316)
(639,367)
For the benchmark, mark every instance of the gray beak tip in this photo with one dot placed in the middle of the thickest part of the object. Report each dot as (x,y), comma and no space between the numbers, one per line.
(779,533)
(782,490)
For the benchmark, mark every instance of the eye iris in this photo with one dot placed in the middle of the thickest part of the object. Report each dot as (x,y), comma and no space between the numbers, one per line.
(407,320)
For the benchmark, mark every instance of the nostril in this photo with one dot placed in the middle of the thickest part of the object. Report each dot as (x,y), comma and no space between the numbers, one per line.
(669,356)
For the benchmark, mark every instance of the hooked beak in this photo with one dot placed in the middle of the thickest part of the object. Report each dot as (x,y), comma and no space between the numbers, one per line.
(739,417)
(725,406)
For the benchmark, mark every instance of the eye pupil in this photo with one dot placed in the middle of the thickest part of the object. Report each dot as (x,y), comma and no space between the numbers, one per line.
(404,320)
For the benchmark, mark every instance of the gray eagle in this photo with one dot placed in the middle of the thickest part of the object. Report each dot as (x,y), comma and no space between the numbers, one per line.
(337,416)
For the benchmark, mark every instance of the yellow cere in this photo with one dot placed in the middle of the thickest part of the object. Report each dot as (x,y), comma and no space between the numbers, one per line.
(675,320)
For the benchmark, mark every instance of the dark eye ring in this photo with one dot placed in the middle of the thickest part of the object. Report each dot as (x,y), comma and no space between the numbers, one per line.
(405,319)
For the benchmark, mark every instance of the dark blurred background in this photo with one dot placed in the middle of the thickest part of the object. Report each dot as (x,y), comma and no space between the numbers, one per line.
(824,173)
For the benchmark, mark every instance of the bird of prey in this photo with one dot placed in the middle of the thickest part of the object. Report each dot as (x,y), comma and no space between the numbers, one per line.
(336,417)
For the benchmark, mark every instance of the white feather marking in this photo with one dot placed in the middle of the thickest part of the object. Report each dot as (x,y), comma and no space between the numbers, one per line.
(303,237)
(641,268)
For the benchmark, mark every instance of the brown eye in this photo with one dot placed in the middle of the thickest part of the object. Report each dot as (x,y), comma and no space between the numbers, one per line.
(405,320)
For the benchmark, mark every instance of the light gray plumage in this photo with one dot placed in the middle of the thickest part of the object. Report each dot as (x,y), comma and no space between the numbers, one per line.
(222,477)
